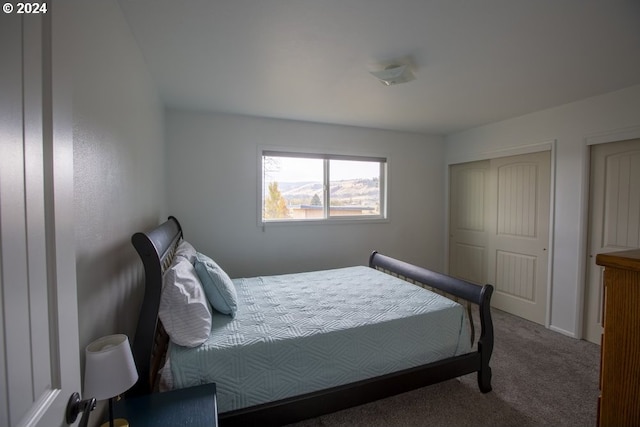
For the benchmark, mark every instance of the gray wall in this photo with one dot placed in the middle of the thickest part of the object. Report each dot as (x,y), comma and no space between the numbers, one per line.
(212,188)
(118,167)
(571,128)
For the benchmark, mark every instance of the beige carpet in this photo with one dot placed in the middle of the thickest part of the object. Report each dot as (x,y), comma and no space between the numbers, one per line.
(539,378)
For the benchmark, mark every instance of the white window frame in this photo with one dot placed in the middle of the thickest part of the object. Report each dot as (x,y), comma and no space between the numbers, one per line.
(326,200)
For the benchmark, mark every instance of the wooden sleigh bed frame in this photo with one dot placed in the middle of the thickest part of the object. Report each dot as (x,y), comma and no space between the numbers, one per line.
(156,249)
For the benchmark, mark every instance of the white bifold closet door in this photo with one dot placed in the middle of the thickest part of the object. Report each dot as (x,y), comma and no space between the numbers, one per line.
(499,229)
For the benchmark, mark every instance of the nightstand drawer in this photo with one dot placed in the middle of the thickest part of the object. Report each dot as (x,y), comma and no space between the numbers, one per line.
(193,407)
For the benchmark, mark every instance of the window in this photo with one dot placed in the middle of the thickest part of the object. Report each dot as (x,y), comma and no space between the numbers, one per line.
(316,187)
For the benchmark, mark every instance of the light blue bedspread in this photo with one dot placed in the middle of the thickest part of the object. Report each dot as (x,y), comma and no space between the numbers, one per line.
(298,333)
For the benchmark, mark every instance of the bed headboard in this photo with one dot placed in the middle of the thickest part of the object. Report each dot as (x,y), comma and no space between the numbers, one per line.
(156,249)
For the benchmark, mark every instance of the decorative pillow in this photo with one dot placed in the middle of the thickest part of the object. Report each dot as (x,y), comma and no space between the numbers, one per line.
(185,250)
(217,285)
(184,309)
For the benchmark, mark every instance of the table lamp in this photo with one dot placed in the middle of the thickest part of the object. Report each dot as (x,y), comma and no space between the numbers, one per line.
(109,371)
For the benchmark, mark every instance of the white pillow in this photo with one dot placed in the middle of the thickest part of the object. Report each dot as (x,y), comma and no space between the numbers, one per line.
(185,250)
(184,309)
(217,285)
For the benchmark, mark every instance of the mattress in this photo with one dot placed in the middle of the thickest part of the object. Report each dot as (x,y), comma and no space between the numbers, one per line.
(298,333)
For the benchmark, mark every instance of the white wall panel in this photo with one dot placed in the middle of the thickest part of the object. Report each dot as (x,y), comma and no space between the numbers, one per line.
(517,189)
(516,274)
(470,263)
(470,200)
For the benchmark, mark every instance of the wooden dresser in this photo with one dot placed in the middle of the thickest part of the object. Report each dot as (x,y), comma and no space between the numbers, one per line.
(619,402)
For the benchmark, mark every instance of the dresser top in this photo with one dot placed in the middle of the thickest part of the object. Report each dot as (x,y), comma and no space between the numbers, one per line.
(626,260)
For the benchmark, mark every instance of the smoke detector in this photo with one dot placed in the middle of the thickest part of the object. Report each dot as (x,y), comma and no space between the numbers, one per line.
(394,74)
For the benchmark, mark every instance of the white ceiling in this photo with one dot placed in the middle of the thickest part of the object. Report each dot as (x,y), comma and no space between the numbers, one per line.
(476,61)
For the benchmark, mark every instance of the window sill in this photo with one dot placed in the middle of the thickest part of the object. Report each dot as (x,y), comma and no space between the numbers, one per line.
(331,221)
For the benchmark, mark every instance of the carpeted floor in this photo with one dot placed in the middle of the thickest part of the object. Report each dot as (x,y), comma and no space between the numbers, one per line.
(539,378)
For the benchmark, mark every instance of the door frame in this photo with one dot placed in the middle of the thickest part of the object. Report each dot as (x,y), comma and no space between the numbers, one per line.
(547,145)
(614,135)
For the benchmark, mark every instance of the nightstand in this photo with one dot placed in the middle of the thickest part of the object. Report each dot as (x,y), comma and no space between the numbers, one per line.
(192,407)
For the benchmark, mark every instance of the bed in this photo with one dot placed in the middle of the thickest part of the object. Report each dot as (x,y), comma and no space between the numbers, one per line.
(318,351)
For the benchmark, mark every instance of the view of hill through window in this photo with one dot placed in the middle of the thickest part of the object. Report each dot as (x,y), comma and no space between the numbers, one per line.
(293,188)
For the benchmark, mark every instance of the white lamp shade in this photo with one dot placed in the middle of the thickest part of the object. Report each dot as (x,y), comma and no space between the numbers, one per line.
(109,368)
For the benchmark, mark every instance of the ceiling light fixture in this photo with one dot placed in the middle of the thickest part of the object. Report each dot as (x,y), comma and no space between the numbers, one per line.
(394,74)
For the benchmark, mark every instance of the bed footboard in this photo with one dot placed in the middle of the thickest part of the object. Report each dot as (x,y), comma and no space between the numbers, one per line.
(479,295)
